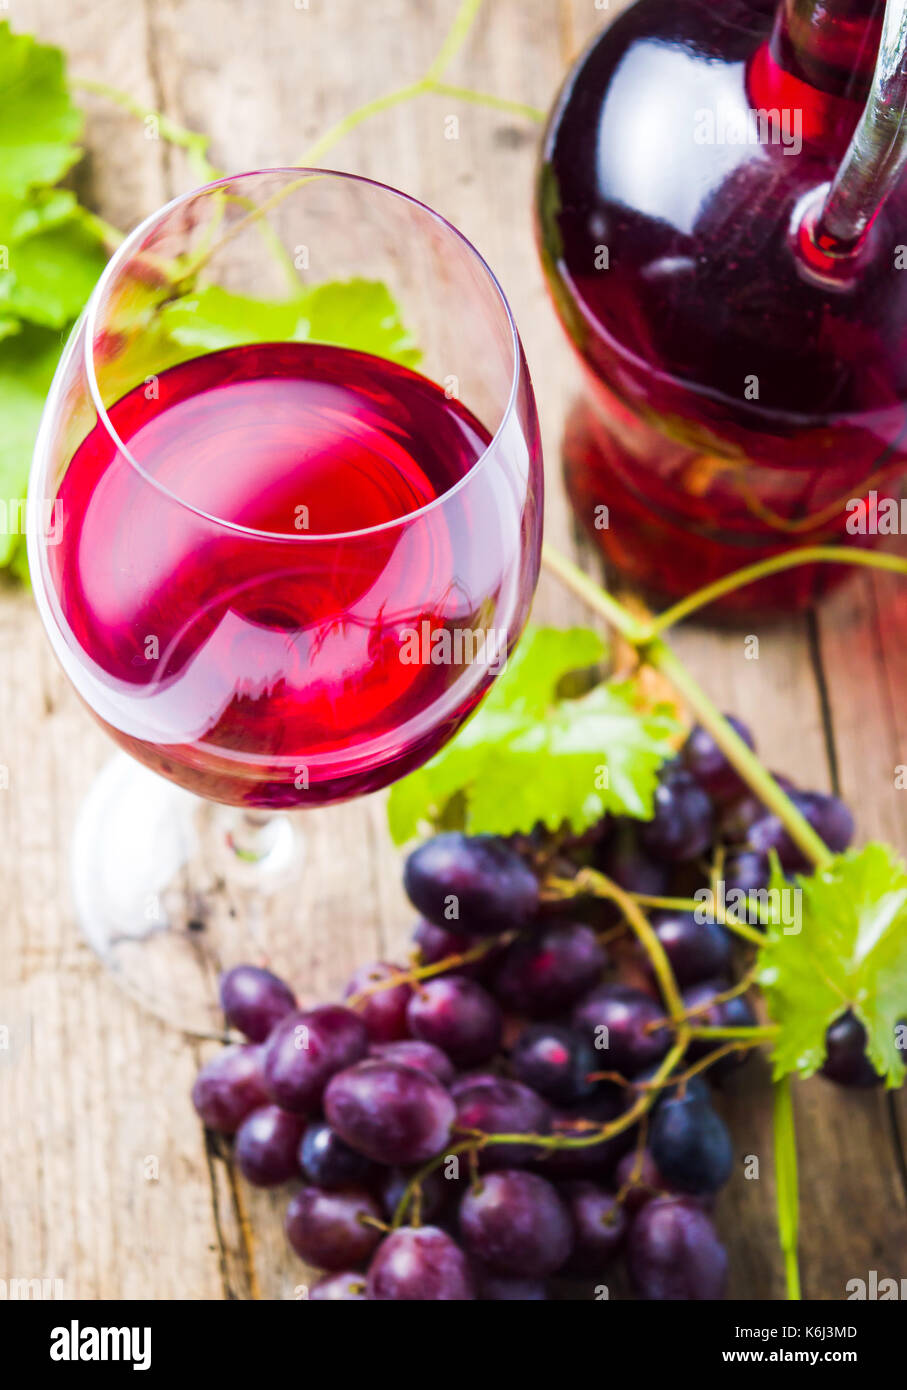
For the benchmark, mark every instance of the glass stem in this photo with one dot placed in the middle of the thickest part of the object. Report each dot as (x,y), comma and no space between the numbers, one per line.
(260,846)
(252,835)
(877,153)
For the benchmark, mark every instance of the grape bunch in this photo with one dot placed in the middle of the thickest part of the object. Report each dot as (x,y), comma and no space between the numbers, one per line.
(497,1119)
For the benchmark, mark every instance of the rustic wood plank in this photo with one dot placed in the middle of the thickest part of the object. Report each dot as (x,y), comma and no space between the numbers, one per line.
(861,642)
(102,1174)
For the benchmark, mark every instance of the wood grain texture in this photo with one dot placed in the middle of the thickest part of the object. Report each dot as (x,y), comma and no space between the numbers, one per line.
(94,1094)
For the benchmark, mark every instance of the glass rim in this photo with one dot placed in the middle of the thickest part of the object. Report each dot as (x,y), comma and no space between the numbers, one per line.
(128,246)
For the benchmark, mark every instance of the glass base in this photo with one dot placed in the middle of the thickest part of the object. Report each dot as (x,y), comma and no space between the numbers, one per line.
(171,890)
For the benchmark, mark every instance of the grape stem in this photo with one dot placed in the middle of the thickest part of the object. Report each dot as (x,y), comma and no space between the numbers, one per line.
(596,1134)
(192,141)
(805,555)
(656,653)
(426,972)
(786,1194)
(595,597)
(680,1078)
(753,1034)
(722,916)
(659,655)
(604,887)
(414,1186)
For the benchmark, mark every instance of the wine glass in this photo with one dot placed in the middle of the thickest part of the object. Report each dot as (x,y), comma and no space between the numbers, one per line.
(284,529)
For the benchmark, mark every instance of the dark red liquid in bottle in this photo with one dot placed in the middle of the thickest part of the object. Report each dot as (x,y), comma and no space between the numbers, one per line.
(248,630)
(735,406)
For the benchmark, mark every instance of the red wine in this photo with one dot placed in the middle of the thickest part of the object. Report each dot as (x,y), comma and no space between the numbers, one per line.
(735,407)
(254,606)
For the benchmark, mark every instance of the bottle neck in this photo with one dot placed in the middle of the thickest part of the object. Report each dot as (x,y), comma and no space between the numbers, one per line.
(829,44)
(819,63)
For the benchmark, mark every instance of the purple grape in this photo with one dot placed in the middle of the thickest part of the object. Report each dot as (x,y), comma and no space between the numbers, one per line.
(330,1163)
(735,818)
(254,1000)
(383,1013)
(710,767)
(650,1184)
(767,833)
(695,950)
(616,1019)
(846,1062)
(329,1229)
(746,872)
(640,1178)
(438,943)
(828,816)
(673,1252)
(436,1192)
(348,1287)
(515,1223)
(458,1016)
(306,1049)
(467,1079)
(555,1061)
(682,824)
(545,972)
(502,1107)
(831,819)
(690,1145)
(731,1013)
(391,1113)
(230,1087)
(267,1146)
(599,1226)
(627,863)
(420,1264)
(504,1288)
(411,1052)
(479,883)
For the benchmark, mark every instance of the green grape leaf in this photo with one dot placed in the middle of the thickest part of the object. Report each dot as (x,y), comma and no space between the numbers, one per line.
(213,318)
(358,314)
(850,952)
(27,364)
(52,257)
(532,755)
(39,122)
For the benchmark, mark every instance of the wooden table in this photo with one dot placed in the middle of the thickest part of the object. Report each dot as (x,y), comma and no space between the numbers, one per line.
(105,1180)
